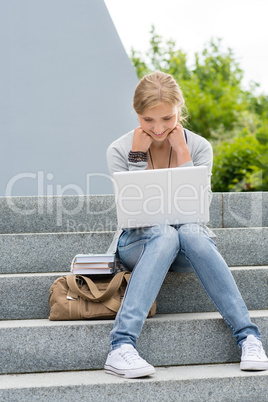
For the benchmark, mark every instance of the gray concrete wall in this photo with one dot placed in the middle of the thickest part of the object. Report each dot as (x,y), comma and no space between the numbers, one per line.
(66,88)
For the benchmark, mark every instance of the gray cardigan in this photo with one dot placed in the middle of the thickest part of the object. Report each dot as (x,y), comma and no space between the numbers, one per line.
(117,160)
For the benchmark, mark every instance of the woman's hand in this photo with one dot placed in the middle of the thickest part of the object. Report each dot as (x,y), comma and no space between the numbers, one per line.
(177,141)
(176,138)
(141,140)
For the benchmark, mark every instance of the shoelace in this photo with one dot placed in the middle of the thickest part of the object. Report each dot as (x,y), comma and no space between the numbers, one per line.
(130,356)
(252,349)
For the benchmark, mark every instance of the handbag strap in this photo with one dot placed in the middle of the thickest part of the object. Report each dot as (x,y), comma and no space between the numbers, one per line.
(112,288)
(97,296)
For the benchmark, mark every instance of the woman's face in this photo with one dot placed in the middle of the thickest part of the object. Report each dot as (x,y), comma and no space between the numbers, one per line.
(159,121)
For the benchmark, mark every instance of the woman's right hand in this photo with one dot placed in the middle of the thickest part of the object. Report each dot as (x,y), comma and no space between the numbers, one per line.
(141,140)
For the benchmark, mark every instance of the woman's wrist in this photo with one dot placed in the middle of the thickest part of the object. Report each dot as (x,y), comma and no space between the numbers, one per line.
(182,156)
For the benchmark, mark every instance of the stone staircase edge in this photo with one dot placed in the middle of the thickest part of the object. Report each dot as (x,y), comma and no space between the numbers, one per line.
(41,322)
(183,373)
(202,382)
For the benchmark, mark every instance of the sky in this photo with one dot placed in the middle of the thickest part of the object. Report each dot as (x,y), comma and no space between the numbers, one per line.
(242,25)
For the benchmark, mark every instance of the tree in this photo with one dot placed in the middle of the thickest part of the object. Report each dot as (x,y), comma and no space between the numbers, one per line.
(218,106)
(234,119)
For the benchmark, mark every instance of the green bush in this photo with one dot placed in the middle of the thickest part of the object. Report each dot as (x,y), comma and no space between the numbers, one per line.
(236,165)
(262,137)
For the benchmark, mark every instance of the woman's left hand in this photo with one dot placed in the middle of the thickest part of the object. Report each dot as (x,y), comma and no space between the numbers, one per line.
(177,141)
(176,138)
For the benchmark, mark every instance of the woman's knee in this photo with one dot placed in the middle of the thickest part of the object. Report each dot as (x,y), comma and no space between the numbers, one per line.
(166,236)
(160,238)
(194,235)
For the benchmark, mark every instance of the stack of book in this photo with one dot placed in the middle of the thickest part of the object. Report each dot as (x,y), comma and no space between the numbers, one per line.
(93,264)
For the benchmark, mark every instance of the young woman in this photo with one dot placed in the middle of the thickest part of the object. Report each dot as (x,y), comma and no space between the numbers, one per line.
(158,143)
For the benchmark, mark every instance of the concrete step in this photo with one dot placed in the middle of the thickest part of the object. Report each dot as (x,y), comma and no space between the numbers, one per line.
(57,214)
(83,213)
(243,246)
(25,296)
(53,252)
(221,383)
(166,340)
(245,209)
(48,252)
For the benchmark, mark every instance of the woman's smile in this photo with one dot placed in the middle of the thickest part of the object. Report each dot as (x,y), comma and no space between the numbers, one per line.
(159,134)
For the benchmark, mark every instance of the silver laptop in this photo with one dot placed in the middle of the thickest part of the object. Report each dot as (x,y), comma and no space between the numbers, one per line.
(162,196)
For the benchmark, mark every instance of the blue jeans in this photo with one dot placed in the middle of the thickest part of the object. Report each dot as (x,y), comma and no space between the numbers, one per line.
(150,252)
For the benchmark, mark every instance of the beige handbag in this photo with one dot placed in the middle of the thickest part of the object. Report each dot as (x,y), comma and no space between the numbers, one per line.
(77,297)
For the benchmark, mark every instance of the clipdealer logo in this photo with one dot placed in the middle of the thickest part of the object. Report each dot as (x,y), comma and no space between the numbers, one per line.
(52,198)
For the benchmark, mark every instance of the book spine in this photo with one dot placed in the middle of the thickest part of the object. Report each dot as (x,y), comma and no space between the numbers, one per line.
(91,271)
(92,259)
(92,265)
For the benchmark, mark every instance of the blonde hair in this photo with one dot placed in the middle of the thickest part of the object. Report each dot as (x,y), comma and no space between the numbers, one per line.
(156,88)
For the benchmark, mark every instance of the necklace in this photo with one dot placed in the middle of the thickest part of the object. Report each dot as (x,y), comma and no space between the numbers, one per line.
(150,159)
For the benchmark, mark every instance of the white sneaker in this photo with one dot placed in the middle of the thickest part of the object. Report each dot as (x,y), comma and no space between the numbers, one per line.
(253,356)
(126,362)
